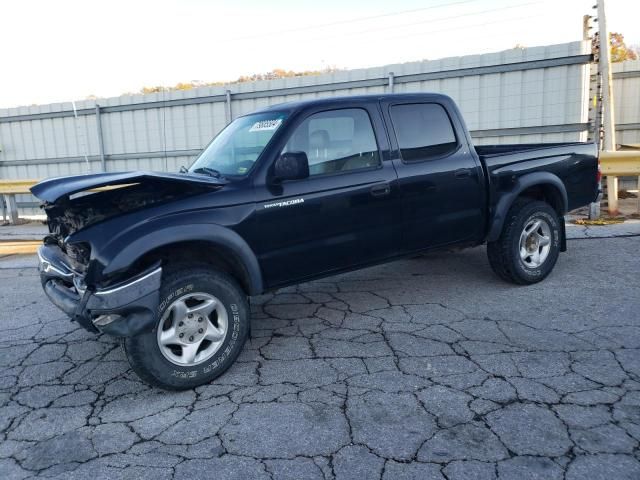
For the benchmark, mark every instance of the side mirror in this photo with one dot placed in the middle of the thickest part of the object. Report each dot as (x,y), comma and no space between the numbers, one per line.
(292,166)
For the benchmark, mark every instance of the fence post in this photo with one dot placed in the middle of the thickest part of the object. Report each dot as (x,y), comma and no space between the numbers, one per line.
(12,208)
(103,163)
(391,82)
(228,106)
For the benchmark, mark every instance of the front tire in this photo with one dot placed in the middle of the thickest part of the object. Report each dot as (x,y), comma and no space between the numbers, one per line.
(529,245)
(202,324)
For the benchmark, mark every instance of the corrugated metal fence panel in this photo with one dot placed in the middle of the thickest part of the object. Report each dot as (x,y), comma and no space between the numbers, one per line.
(532,88)
(181,127)
(514,99)
(626,91)
(48,138)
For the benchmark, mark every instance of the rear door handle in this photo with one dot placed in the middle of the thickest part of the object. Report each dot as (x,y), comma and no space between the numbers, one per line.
(380,190)
(462,173)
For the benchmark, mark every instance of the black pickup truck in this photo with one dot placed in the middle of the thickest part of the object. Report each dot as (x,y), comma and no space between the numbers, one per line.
(290,193)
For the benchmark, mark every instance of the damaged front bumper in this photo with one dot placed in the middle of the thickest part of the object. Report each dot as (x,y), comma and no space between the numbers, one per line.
(123,309)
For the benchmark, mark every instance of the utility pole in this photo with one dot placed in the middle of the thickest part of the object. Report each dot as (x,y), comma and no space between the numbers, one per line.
(608,120)
(596,108)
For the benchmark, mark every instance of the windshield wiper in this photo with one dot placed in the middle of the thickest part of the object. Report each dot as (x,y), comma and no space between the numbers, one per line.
(212,172)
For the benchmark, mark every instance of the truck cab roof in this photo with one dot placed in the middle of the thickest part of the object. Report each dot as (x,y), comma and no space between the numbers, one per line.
(333,101)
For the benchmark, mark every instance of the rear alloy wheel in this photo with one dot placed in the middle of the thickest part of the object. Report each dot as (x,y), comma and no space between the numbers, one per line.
(529,245)
(535,243)
(203,323)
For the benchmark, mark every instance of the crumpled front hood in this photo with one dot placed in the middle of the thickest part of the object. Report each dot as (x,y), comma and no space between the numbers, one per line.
(55,188)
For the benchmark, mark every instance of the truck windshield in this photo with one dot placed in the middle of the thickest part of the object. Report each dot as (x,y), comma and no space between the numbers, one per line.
(236,148)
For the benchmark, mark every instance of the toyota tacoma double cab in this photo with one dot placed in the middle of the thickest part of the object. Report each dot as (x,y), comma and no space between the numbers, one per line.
(290,193)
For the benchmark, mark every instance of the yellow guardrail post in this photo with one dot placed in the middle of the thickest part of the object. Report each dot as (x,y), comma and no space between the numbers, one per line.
(612,195)
(12,208)
(614,164)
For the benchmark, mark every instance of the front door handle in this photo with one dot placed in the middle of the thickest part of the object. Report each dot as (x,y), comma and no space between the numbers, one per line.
(462,173)
(380,190)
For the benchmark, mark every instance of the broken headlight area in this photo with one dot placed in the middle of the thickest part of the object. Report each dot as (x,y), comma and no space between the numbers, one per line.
(72,213)
(78,255)
(124,304)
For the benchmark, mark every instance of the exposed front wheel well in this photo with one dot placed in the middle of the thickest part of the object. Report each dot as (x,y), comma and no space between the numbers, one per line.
(546,193)
(200,252)
(540,187)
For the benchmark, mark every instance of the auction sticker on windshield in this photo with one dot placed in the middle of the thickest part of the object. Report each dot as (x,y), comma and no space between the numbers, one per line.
(265,125)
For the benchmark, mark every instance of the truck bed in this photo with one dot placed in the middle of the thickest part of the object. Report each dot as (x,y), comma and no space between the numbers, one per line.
(575,164)
(508,148)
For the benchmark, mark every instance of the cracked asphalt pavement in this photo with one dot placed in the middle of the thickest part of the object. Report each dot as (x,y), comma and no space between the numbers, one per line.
(428,368)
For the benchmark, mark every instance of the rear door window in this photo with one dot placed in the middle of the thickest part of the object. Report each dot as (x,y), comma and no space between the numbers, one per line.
(424,131)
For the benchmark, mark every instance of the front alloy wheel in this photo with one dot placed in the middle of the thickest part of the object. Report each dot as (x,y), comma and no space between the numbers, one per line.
(203,322)
(192,329)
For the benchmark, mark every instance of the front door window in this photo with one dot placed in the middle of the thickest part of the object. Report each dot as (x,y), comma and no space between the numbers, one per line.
(336,141)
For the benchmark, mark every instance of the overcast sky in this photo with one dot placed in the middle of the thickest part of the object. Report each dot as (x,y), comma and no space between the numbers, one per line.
(54,51)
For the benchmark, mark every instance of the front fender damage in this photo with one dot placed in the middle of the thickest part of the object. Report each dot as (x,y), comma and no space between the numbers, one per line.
(123,309)
(122,304)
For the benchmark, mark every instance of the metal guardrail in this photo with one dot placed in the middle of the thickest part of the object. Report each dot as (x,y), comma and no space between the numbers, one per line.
(19,247)
(10,188)
(612,164)
(13,187)
(619,164)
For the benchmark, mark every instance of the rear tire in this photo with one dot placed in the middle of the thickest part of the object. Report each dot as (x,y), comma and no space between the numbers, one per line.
(529,245)
(202,324)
